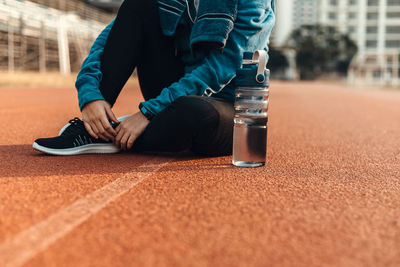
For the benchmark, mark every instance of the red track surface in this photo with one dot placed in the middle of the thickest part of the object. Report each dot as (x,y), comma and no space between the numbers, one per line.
(329,195)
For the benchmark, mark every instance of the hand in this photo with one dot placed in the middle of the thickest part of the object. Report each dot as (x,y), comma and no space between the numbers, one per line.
(96,116)
(130,129)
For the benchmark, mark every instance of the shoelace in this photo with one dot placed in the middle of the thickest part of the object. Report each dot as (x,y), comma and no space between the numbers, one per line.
(76,127)
(78,130)
(75,121)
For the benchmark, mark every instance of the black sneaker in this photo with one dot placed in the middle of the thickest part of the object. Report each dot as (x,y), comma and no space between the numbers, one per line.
(73,139)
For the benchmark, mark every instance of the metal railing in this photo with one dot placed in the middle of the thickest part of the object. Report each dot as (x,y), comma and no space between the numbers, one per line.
(79,7)
(35,37)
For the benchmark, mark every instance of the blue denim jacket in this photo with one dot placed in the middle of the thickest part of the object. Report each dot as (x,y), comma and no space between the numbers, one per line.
(208,76)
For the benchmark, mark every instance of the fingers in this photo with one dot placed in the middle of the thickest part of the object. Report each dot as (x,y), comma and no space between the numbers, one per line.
(102,132)
(117,140)
(111,115)
(130,142)
(129,130)
(96,131)
(122,137)
(108,128)
(90,131)
(93,130)
(124,141)
(96,115)
(102,129)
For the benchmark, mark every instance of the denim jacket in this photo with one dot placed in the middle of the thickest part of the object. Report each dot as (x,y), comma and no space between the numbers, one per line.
(245,27)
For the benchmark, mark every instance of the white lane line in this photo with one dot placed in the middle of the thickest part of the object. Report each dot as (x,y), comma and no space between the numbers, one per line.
(26,244)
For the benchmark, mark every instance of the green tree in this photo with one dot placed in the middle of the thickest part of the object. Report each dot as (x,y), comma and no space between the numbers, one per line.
(277,60)
(321,50)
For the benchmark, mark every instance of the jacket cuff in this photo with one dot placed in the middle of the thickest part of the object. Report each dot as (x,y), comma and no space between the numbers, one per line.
(86,97)
(147,113)
(216,32)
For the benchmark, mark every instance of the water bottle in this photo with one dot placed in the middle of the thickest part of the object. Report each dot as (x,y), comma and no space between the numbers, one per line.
(251,111)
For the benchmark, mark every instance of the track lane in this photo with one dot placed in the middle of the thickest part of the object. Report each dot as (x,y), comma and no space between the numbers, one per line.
(22,247)
(329,195)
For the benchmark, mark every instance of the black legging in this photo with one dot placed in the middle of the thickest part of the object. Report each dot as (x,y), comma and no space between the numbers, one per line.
(203,125)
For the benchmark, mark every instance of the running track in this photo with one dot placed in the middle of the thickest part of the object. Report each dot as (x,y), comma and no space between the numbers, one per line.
(329,195)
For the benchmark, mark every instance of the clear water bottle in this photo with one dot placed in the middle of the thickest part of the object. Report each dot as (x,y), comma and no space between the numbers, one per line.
(251,111)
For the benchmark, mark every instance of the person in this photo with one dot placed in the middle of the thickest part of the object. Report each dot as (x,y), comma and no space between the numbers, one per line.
(186,53)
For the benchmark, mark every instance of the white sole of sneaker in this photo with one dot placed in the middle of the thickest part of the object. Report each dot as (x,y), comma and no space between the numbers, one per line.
(86,149)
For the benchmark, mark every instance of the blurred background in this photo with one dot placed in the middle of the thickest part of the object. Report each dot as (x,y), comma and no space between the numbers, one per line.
(40,39)
(357,41)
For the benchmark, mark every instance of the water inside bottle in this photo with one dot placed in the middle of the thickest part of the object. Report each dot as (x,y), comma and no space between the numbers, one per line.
(249,142)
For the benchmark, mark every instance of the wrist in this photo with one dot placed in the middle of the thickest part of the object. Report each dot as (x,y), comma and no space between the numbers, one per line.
(142,117)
